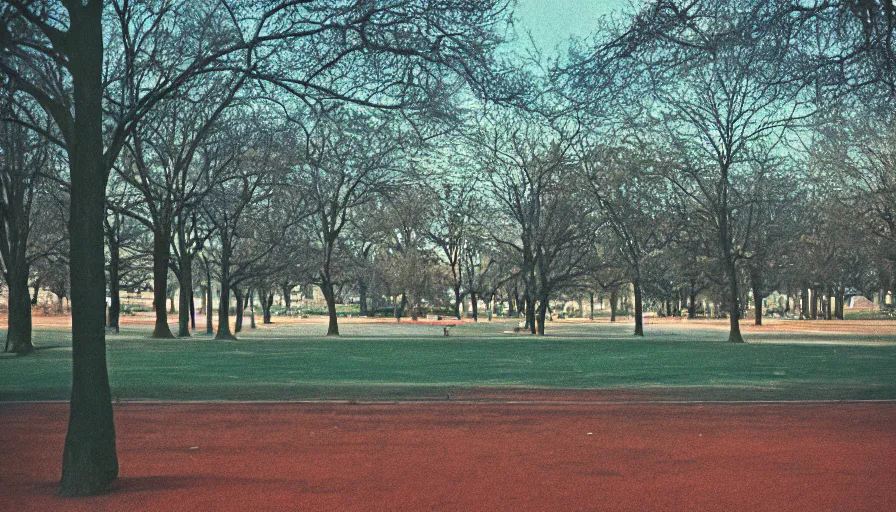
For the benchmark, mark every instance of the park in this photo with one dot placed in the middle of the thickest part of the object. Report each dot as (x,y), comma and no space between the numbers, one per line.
(460,255)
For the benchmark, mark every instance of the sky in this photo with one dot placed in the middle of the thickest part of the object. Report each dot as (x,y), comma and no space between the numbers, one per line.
(552,22)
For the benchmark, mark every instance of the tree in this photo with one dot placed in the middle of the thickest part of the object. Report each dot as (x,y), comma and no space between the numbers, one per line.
(24,156)
(543,216)
(725,86)
(631,199)
(350,158)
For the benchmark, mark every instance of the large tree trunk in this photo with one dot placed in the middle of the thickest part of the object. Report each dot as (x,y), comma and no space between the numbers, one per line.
(591,310)
(18,333)
(330,297)
(474,305)
(639,309)
(458,300)
(89,460)
(161,251)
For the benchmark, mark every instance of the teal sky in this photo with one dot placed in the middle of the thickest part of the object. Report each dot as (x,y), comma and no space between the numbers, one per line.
(553,22)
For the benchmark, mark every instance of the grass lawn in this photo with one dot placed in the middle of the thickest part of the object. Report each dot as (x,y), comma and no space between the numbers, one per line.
(386,361)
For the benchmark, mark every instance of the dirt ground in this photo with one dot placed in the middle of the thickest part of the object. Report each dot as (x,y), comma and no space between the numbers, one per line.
(770,325)
(469,456)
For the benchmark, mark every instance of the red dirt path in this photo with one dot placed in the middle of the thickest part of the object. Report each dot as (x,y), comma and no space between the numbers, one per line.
(455,456)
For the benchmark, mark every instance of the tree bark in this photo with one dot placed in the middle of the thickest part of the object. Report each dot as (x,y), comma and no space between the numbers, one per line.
(614,300)
(287,296)
(692,303)
(841,293)
(639,309)
(224,298)
(804,304)
(757,302)
(474,305)
(186,289)
(18,333)
(89,460)
(734,335)
(238,311)
(210,293)
(814,305)
(252,309)
(542,313)
(161,251)
(330,297)
(192,310)
(114,279)
(362,291)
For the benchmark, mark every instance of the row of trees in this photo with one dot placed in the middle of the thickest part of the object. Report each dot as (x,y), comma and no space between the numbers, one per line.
(698,149)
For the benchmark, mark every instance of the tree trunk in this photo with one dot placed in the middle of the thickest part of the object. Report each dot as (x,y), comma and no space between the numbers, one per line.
(251,309)
(114,282)
(160,253)
(89,460)
(267,300)
(209,299)
(804,304)
(192,310)
(474,305)
(330,297)
(458,300)
(639,309)
(224,314)
(542,313)
(734,335)
(186,289)
(362,291)
(34,297)
(757,302)
(814,304)
(530,315)
(18,333)
(224,298)
(287,296)
(841,293)
(692,303)
(614,300)
(238,311)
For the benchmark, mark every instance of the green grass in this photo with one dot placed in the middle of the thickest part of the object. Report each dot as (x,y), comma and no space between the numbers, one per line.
(409,361)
